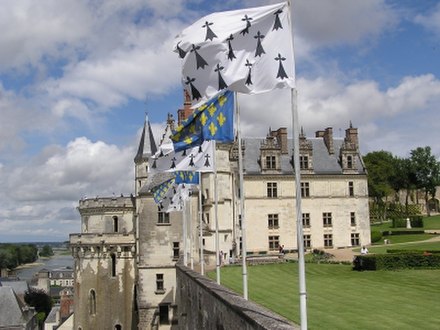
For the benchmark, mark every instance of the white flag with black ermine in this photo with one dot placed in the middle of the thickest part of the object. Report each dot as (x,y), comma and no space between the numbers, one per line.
(197,159)
(248,51)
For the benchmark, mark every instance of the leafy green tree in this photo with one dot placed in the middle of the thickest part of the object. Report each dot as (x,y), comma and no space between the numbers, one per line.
(46,251)
(404,178)
(380,168)
(40,300)
(427,171)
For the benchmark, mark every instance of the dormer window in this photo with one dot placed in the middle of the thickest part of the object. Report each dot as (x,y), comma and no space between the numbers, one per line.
(303,162)
(271,162)
(349,162)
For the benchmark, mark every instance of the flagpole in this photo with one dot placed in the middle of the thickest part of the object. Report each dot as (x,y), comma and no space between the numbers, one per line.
(242,214)
(185,234)
(202,263)
(191,254)
(217,238)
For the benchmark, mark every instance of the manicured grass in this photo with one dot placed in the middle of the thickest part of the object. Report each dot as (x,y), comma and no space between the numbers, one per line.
(422,246)
(431,222)
(339,298)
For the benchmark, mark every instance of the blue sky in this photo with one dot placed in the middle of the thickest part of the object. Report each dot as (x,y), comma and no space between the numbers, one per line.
(77,76)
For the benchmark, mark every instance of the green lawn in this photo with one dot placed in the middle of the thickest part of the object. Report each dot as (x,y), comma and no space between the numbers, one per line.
(339,298)
(431,222)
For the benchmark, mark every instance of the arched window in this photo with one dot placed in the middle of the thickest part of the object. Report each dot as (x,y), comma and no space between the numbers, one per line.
(118,327)
(92,302)
(113,265)
(115,224)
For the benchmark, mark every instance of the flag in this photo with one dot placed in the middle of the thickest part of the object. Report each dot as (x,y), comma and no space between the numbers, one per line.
(248,51)
(170,196)
(187,177)
(213,120)
(198,159)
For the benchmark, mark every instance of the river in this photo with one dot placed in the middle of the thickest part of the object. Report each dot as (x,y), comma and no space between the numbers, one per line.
(27,272)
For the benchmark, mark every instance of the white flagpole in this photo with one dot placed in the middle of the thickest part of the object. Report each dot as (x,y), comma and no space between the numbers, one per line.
(217,238)
(299,225)
(202,263)
(242,215)
(185,234)
(191,254)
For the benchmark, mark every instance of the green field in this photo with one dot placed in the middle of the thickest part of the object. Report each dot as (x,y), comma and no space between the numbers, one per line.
(339,298)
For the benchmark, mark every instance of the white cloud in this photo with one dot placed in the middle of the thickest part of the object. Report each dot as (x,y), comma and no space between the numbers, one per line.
(327,23)
(430,21)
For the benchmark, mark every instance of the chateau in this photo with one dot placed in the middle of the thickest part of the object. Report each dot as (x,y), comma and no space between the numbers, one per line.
(125,255)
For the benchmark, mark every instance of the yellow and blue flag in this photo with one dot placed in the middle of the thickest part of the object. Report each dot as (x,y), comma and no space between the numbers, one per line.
(213,120)
(187,177)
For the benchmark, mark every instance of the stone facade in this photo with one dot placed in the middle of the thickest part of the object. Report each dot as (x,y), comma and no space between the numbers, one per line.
(126,254)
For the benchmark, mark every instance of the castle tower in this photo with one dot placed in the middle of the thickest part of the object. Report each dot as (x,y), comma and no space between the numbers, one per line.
(105,264)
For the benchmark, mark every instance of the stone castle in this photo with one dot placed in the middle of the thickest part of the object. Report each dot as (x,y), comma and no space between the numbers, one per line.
(125,255)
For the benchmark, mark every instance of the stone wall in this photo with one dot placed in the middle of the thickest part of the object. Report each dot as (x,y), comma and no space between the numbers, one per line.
(202,304)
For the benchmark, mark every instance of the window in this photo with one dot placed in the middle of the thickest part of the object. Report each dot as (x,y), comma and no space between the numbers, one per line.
(239,221)
(272,221)
(270,162)
(303,162)
(349,162)
(159,283)
(272,189)
(305,189)
(118,327)
(307,242)
(113,265)
(274,242)
(350,188)
(306,220)
(92,302)
(115,224)
(163,218)
(353,218)
(355,239)
(176,250)
(328,240)
(327,219)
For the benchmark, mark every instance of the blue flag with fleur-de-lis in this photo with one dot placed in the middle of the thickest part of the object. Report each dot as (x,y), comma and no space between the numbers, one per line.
(187,177)
(214,120)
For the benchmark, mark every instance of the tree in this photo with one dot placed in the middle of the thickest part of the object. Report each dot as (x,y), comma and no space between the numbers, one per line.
(427,171)
(380,168)
(46,251)
(404,178)
(40,300)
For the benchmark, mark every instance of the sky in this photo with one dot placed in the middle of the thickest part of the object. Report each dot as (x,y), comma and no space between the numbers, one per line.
(78,76)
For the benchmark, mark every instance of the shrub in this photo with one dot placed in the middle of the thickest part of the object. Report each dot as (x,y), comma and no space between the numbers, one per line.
(396,261)
(376,236)
(402,232)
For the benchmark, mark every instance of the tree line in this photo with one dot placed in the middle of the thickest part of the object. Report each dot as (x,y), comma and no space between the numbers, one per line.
(389,175)
(13,255)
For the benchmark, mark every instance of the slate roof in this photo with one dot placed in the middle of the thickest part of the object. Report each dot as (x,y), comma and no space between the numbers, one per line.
(323,162)
(10,308)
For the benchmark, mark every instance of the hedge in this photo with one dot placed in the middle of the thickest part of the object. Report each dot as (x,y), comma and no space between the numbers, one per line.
(396,261)
(412,251)
(376,236)
(416,221)
(402,232)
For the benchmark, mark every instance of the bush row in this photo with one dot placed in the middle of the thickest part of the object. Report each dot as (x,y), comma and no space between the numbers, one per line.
(396,261)
(412,251)
(416,221)
(402,232)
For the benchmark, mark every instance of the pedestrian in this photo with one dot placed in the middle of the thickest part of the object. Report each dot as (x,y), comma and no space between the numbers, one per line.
(364,250)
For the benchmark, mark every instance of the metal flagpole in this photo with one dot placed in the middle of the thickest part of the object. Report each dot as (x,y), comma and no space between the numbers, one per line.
(299,225)
(185,234)
(202,262)
(217,238)
(191,254)
(242,215)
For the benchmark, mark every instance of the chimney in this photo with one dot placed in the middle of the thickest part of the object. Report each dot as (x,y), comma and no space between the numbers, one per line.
(328,140)
(183,114)
(351,136)
(66,303)
(281,135)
